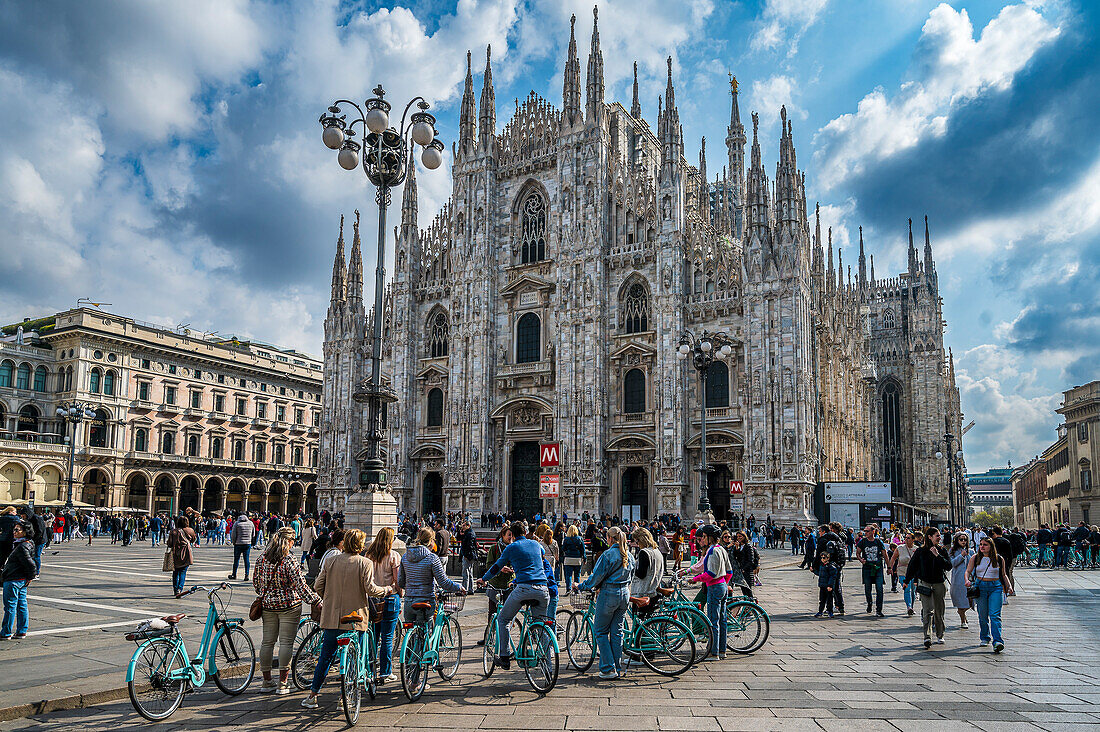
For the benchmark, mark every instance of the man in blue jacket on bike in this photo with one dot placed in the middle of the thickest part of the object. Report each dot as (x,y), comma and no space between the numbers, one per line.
(525,557)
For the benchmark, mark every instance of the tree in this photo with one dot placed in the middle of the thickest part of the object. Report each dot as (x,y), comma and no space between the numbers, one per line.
(1004,516)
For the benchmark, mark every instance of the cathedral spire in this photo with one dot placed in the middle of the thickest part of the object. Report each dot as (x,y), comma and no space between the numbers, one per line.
(757,188)
(786,175)
(635,105)
(830,280)
(735,147)
(467,119)
(704,189)
(862,262)
(409,198)
(669,131)
(839,269)
(872,270)
(913,266)
(571,91)
(819,251)
(355,267)
(487,120)
(594,106)
(929,263)
(339,272)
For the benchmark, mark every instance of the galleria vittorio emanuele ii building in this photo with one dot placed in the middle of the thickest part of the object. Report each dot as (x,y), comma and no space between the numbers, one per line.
(546,300)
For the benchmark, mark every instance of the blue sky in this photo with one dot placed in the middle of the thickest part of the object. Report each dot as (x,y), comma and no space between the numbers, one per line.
(165,157)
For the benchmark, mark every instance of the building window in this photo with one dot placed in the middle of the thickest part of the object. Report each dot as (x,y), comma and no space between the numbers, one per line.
(6,369)
(238,450)
(198,374)
(260,452)
(241,406)
(532,237)
(1086,479)
(93,381)
(435,408)
(109,383)
(280,413)
(69,378)
(221,378)
(216,447)
(313,458)
(40,378)
(261,410)
(888,320)
(169,395)
(634,392)
(437,335)
(168,443)
(297,416)
(143,391)
(317,418)
(298,456)
(219,403)
(141,440)
(635,318)
(527,339)
(196,399)
(282,391)
(145,363)
(172,369)
(280,454)
(193,445)
(1082,431)
(718,385)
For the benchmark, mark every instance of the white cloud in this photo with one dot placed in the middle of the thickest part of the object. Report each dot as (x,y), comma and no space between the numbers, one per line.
(784,22)
(951,67)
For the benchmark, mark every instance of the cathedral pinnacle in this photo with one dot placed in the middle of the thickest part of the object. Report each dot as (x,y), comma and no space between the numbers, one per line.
(862,262)
(913,266)
(704,203)
(594,106)
(636,106)
(409,199)
(571,89)
(929,263)
(487,121)
(339,274)
(467,119)
(735,148)
(355,266)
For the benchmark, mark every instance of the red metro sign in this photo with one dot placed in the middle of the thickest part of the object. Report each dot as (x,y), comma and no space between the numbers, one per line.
(549,454)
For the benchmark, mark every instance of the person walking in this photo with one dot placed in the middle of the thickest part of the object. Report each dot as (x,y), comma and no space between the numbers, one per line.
(387,568)
(573,551)
(18,571)
(900,561)
(180,541)
(241,537)
(468,553)
(155,528)
(987,569)
(281,587)
(309,535)
(611,576)
(871,552)
(960,557)
(747,558)
(928,568)
(345,585)
(8,521)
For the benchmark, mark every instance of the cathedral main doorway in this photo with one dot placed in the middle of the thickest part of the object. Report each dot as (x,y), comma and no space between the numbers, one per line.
(635,494)
(524,499)
(718,492)
(432,494)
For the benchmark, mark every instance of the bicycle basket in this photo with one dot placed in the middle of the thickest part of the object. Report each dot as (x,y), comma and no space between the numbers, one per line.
(453,603)
(580,601)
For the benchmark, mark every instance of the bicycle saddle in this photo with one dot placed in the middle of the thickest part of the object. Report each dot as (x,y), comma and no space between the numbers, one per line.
(665,591)
(173,619)
(421,605)
(639,601)
(351,618)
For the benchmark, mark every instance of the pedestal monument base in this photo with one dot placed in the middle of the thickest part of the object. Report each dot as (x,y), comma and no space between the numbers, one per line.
(706,517)
(370,511)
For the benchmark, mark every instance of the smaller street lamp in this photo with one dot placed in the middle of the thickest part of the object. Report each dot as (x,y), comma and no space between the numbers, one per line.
(74,413)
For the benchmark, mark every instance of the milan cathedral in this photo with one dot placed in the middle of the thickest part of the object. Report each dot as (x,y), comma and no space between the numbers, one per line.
(546,300)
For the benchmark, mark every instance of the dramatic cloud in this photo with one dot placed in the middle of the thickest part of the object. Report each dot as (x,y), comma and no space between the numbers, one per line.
(783,22)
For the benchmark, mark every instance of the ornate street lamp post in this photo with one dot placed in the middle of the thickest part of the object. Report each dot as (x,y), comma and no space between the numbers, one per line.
(954,494)
(74,413)
(703,350)
(385,162)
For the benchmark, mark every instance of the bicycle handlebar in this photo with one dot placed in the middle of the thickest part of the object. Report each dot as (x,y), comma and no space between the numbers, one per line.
(207,590)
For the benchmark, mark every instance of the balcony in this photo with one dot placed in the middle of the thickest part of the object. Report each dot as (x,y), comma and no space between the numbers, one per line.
(239,419)
(721,413)
(218,416)
(280,424)
(297,427)
(536,373)
(194,412)
(261,423)
(169,408)
(9,443)
(142,404)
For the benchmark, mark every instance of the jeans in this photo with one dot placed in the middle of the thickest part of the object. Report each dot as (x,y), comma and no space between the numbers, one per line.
(15,608)
(179,579)
(838,592)
(572,575)
(716,614)
(877,582)
(611,606)
(241,550)
(156,538)
(989,609)
(519,595)
(38,557)
(384,631)
(1060,555)
(1040,550)
(324,660)
(907,592)
(281,626)
(468,568)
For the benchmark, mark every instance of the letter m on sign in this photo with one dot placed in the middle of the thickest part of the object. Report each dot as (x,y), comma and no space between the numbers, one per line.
(550,454)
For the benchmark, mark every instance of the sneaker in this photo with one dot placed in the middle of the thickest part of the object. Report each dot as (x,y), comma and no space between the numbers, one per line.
(965,626)
(868,608)
(911,612)
(608,675)
(505,662)
(267,687)
(983,644)
(389,679)
(927,642)
(481,642)
(283,690)
(231,576)
(19,636)
(310,702)
(939,641)
(818,615)
(246,578)
(880,614)
(830,615)
(998,647)
(5,637)
(840,612)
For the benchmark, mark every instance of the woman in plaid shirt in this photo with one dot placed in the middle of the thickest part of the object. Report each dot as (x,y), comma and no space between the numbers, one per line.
(282,589)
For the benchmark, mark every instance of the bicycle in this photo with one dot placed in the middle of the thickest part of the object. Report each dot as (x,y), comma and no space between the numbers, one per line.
(355,658)
(306,626)
(661,642)
(161,672)
(683,608)
(747,626)
(536,649)
(440,648)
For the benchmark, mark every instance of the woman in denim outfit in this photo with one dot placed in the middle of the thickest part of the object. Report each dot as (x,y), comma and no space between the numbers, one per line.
(387,564)
(611,576)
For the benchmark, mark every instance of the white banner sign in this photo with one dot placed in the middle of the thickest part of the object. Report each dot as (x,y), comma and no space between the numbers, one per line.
(854,492)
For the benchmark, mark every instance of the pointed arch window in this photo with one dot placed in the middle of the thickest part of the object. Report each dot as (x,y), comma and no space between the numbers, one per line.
(634,391)
(435,408)
(636,309)
(532,237)
(718,385)
(438,330)
(528,335)
(888,320)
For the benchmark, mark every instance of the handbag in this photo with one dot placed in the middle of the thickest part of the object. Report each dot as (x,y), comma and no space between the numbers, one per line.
(973,592)
(168,565)
(256,609)
(924,588)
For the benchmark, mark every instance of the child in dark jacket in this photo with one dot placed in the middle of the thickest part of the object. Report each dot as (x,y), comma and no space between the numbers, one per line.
(827,574)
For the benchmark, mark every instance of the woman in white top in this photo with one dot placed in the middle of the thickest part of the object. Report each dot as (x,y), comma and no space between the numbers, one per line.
(335,548)
(987,570)
(387,562)
(900,561)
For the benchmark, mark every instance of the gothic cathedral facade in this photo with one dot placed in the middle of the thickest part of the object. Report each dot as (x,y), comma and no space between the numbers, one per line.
(546,300)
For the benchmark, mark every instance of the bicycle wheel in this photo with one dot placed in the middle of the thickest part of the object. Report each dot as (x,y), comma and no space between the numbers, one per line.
(154,694)
(370,665)
(561,619)
(351,685)
(579,645)
(697,622)
(306,626)
(539,644)
(235,659)
(489,650)
(747,627)
(450,649)
(665,644)
(305,660)
(414,674)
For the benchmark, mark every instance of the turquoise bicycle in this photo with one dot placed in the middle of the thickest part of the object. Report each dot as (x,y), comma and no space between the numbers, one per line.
(536,648)
(438,646)
(354,657)
(161,672)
